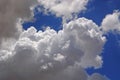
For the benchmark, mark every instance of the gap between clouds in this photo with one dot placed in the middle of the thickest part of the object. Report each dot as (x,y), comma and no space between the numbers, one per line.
(13,11)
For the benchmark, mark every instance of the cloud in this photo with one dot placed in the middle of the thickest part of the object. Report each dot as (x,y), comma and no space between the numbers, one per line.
(10,12)
(64,8)
(97,76)
(111,22)
(51,55)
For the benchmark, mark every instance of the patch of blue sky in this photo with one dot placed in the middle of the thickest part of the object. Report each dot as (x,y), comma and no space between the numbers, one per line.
(41,21)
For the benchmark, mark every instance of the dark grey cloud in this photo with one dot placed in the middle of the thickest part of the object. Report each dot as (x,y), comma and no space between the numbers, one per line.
(10,11)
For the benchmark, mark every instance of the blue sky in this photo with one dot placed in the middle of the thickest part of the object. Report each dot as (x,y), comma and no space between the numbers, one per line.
(96,10)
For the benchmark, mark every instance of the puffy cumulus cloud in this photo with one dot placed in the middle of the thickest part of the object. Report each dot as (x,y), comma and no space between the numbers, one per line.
(51,55)
(111,22)
(64,8)
(10,11)
(88,34)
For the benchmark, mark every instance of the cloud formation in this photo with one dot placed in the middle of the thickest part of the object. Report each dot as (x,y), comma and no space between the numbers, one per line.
(13,10)
(64,8)
(97,76)
(10,12)
(111,22)
(51,55)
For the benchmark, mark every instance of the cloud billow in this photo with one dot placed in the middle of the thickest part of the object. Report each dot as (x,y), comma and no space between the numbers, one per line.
(111,22)
(50,54)
(67,9)
(40,55)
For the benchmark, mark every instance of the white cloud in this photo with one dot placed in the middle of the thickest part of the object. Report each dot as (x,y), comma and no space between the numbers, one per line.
(51,55)
(64,8)
(97,76)
(111,22)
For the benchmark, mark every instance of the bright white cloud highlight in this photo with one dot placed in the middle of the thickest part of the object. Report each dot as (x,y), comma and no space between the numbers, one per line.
(64,8)
(111,22)
(51,55)
(97,76)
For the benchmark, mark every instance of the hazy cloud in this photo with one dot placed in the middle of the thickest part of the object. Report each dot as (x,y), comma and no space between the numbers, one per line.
(10,12)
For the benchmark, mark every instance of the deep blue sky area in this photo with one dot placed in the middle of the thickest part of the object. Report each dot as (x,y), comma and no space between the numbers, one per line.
(111,58)
(40,21)
(96,10)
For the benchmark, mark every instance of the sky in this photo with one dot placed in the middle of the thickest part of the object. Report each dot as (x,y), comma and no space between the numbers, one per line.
(96,10)
(60,40)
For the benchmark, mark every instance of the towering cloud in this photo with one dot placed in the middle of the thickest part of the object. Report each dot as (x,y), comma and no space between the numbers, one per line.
(52,55)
